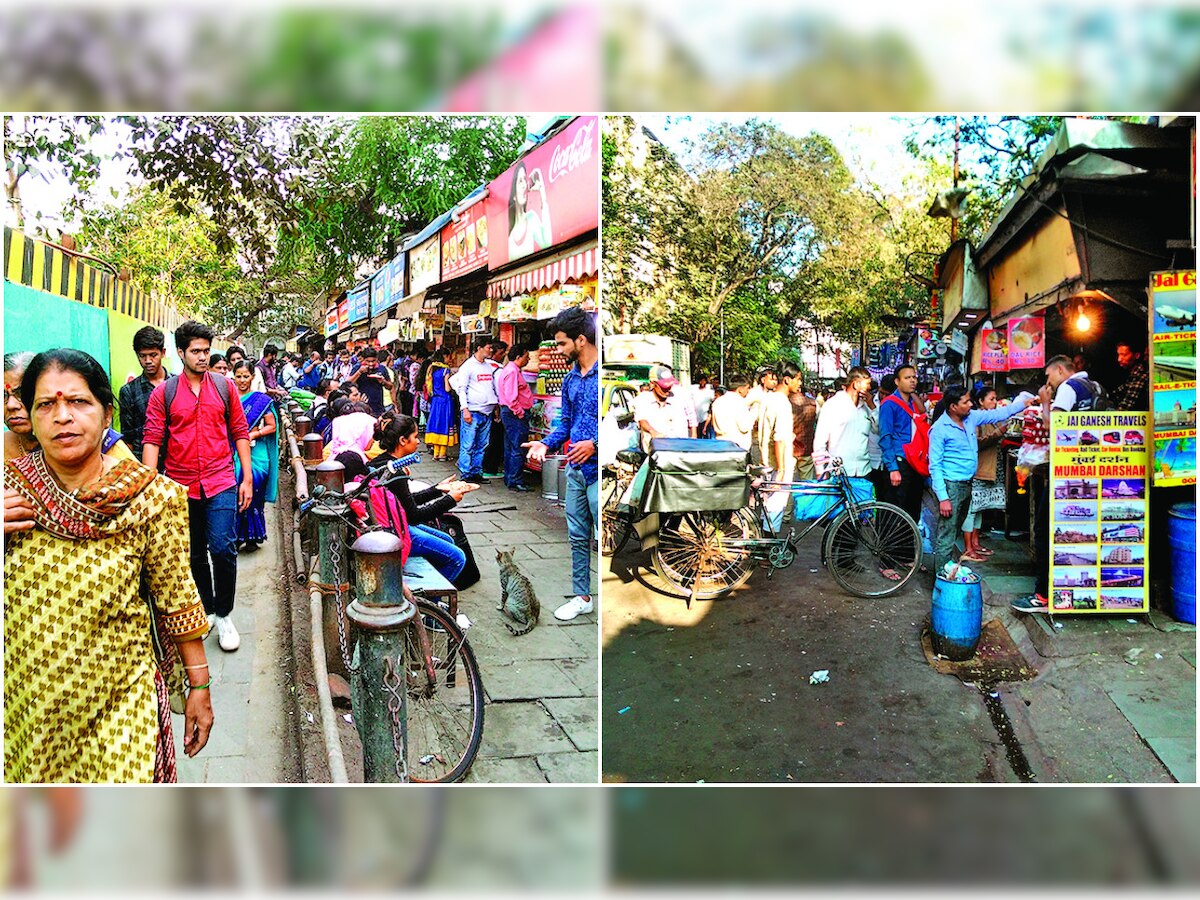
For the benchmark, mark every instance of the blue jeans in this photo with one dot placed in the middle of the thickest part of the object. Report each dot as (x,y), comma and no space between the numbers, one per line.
(473,437)
(439,548)
(516,432)
(583,512)
(212,526)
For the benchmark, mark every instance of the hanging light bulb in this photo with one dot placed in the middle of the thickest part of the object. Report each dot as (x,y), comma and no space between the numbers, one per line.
(1083,323)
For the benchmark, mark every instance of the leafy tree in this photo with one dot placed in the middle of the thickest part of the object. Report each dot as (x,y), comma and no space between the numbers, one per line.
(765,203)
(995,154)
(40,144)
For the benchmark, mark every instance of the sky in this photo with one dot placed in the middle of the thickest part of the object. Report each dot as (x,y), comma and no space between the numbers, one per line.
(870,143)
(47,195)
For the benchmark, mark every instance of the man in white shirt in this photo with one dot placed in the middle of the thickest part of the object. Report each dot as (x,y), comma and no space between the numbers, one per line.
(767,382)
(776,438)
(844,426)
(702,396)
(731,416)
(660,412)
(477,399)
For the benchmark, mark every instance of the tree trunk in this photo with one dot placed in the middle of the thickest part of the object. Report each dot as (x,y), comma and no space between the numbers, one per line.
(242,325)
(12,193)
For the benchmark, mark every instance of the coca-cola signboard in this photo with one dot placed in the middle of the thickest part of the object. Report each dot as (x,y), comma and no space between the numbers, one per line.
(465,242)
(547,197)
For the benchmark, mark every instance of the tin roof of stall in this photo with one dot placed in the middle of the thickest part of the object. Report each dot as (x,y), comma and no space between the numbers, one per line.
(1084,150)
(440,222)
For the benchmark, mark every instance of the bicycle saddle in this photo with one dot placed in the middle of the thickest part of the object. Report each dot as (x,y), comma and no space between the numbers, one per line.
(632,457)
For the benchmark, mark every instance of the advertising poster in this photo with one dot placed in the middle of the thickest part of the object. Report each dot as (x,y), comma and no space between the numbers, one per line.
(473,325)
(343,312)
(1026,343)
(550,195)
(331,322)
(994,352)
(387,286)
(465,242)
(424,267)
(926,343)
(359,301)
(1099,474)
(1173,376)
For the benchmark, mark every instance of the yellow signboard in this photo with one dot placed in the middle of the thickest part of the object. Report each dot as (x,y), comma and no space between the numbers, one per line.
(1099,476)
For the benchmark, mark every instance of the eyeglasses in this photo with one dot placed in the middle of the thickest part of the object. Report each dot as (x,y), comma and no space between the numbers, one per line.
(12,395)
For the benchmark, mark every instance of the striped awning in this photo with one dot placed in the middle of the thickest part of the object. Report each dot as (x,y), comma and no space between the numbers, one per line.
(573,264)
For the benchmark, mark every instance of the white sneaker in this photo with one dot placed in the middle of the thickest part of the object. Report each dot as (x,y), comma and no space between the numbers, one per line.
(227,635)
(212,623)
(572,608)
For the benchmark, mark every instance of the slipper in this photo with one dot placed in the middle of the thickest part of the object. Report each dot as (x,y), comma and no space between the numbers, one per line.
(971,557)
(984,550)
(891,574)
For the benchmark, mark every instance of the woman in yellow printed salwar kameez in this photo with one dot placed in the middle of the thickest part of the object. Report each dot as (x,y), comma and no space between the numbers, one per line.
(85,699)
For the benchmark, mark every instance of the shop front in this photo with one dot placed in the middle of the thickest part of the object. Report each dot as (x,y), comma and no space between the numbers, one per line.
(543,216)
(1090,255)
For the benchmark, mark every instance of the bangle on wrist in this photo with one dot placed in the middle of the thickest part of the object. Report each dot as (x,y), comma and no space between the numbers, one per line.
(202,687)
(201,666)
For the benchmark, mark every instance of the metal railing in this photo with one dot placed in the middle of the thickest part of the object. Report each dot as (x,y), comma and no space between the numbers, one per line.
(374,663)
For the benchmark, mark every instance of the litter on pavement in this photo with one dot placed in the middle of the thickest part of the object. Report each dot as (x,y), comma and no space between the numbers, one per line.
(821,676)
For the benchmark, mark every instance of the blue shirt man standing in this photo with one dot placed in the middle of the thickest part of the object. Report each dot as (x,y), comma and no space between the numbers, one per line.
(575,333)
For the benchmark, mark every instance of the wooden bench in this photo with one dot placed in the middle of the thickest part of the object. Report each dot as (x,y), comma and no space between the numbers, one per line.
(420,575)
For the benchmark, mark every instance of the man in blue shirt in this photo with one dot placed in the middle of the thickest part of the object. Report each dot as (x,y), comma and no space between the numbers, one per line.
(953,459)
(575,332)
(905,486)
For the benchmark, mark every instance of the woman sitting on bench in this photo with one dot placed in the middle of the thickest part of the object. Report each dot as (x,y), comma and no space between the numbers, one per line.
(397,437)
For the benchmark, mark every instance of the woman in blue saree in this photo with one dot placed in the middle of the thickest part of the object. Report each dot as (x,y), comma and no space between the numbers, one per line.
(264,458)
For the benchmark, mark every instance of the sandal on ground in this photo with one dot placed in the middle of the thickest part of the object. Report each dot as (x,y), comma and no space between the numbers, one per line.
(891,574)
(984,550)
(971,557)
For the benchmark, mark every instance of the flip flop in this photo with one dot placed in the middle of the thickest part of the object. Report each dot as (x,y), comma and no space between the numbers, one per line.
(984,550)
(971,557)
(891,574)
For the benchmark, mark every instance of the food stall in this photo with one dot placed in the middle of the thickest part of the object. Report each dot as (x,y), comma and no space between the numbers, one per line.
(543,256)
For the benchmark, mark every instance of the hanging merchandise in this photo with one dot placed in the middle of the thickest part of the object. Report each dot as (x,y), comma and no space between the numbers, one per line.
(552,368)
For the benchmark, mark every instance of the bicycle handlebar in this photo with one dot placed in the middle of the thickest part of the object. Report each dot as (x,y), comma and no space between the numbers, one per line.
(386,472)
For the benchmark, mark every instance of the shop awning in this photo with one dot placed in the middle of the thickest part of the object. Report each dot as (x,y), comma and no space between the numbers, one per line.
(409,305)
(574,263)
(390,332)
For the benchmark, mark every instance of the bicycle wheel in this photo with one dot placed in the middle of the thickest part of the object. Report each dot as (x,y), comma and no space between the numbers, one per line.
(860,546)
(445,720)
(706,549)
(615,527)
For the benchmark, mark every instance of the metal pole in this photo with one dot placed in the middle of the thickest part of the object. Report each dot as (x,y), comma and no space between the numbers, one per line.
(379,688)
(331,534)
(722,376)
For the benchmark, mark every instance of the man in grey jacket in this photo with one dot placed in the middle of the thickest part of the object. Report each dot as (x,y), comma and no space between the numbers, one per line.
(477,399)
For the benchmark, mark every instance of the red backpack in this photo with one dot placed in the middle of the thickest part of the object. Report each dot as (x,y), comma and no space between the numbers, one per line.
(916,451)
(389,514)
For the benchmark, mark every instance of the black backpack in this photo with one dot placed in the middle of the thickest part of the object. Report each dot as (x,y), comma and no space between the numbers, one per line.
(170,389)
(1090,395)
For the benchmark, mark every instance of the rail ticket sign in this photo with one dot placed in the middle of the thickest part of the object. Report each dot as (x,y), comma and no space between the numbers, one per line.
(1173,376)
(1099,476)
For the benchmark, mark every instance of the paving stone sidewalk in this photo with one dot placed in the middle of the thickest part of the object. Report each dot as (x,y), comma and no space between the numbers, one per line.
(540,722)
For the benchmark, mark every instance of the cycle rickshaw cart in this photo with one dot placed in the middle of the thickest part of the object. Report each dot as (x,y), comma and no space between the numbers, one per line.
(715,526)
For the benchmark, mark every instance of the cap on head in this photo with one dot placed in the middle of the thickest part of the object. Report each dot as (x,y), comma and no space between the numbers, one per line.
(663,377)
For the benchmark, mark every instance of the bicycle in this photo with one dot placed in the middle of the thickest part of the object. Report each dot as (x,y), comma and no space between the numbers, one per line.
(616,522)
(444,688)
(872,549)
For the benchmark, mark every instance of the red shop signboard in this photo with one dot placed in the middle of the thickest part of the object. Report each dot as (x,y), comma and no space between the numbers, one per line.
(547,197)
(465,242)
